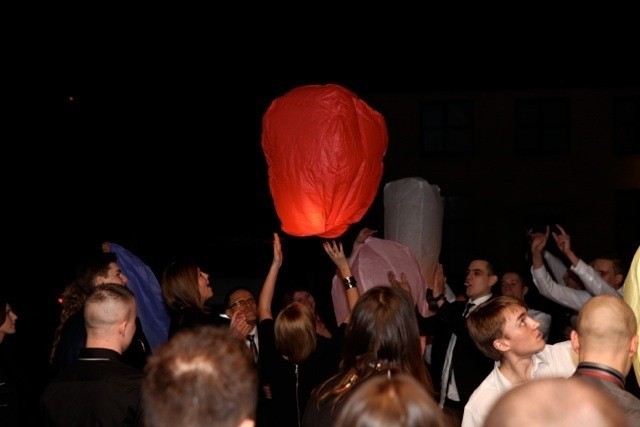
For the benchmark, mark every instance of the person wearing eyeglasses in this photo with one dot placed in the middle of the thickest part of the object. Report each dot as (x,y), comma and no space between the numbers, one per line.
(241,305)
(239,301)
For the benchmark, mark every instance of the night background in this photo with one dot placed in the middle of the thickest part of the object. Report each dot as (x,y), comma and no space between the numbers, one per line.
(164,158)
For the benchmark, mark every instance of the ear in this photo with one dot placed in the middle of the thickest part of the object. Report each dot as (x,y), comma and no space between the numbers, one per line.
(493,280)
(618,279)
(228,313)
(575,341)
(501,345)
(634,345)
(122,328)
(525,289)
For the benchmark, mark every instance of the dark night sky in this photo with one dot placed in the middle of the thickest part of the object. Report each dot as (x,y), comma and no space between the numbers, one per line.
(171,159)
(161,148)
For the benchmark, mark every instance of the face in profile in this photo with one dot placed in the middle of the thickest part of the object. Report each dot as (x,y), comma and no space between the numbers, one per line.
(522,333)
(204,287)
(114,275)
(479,280)
(8,327)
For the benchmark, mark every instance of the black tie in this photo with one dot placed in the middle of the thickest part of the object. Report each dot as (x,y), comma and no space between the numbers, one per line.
(254,349)
(467,309)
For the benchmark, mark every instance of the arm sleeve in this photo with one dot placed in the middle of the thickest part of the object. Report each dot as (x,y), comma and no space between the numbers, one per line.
(562,295)
(592,280)
(557,267)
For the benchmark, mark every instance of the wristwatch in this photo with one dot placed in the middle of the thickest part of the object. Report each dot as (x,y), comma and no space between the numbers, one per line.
(439,297)
(432,301)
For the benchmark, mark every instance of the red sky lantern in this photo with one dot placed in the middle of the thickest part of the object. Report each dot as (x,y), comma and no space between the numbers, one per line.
(324,148)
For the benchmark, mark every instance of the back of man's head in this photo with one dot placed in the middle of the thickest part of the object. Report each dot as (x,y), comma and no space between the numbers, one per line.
(202,377)
(606,332)
(556,402)
(110,311)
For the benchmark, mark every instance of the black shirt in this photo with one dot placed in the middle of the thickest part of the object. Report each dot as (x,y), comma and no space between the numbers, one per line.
(98,389)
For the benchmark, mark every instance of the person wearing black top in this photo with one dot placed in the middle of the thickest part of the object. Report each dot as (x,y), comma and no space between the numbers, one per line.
(71,334)
(99,388)
(185,290)
(293,360)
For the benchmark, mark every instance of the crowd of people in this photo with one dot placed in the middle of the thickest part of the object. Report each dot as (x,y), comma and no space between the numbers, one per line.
(491,359)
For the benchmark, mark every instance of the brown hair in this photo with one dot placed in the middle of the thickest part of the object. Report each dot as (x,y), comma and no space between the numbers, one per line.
(382,335)
(395,401)
(202,376)
(295,332)
(180,285)
(486,323)
(75,294)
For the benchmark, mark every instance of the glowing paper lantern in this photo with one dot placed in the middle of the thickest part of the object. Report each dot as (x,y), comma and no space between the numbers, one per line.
(370,264)
(324,148)
(631,293)
(413,213)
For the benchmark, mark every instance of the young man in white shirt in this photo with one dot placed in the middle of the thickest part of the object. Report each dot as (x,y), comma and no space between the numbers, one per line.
(503,331)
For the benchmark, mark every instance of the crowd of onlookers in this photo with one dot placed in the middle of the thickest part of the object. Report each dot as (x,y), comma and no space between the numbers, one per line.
(135,349)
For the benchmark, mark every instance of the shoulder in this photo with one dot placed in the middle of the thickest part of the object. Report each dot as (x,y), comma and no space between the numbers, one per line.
(483,397)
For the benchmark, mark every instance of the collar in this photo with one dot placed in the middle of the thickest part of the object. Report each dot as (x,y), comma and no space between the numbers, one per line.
(94,353)
(604,372)
(480,300)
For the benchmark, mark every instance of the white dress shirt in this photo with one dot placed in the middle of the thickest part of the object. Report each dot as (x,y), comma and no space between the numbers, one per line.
(553,361)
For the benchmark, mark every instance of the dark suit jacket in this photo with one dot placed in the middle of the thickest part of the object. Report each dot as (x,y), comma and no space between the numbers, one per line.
(470,365)
(98,389)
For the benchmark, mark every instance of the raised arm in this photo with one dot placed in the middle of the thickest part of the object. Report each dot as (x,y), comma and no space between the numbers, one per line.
(336,253)
(362,236)
(590,278)
(547,287)
(269,285)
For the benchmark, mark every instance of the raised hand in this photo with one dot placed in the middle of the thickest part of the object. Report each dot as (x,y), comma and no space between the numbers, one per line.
(539,241)
(336,253)
(277,250)
(563,240)
(239,325)
(403,283)
(364,234)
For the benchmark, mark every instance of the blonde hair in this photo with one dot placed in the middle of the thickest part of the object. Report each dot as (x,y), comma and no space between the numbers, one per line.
(295,332)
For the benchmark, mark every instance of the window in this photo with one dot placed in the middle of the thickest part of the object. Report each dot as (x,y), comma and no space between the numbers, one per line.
(626,125)
(542,125)
(447,126)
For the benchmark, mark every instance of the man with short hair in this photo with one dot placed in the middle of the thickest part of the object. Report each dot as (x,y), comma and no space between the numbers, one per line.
(512,284)
(502,329)
(606,340)
(99,389)
(100,268)
(203,376)
(457,364)
(240,299)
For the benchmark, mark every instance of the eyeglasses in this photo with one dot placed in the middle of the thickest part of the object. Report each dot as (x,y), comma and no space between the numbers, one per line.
(243,302)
